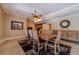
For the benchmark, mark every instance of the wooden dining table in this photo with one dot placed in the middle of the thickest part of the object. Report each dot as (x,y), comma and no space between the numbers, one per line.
(47,37)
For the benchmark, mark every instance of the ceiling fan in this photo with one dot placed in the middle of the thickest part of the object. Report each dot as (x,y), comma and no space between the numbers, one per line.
(35,15)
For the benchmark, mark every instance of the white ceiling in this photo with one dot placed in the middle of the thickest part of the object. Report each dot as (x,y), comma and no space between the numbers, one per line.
(24,9)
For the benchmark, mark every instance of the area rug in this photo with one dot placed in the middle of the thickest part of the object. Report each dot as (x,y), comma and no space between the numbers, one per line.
(64,50)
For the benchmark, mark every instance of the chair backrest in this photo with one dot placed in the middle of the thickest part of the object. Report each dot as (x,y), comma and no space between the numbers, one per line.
(58,35)
(46,33)
(35,35)
(55,32)
(30,32)
(49,32)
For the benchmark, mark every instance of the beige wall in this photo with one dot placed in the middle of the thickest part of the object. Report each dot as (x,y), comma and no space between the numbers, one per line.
(74,20)
(1,24)
(5,26)
(14,33)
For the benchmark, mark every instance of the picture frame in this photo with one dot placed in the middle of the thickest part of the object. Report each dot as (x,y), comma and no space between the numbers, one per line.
(16,25)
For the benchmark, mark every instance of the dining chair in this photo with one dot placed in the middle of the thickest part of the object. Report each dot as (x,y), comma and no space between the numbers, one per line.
(30,40)
(37,41)
(54,43)
(30,34)
(27,37)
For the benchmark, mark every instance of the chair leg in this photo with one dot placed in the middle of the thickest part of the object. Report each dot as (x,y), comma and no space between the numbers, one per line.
(55,50)
(33,46)
(45,47)
(38,48)
(58,48)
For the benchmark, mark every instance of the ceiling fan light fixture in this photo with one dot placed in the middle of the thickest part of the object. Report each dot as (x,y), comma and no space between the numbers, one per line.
(37,17)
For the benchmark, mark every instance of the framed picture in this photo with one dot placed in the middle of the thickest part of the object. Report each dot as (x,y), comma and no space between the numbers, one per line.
(15,25)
